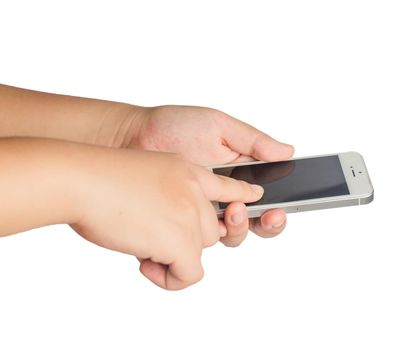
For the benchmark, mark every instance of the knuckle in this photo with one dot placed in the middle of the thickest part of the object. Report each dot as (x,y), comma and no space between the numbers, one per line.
(179,167)
(187,235)
(184,193)
(210,240)
(188,211)
(245,186)
(188,178)
(197,276)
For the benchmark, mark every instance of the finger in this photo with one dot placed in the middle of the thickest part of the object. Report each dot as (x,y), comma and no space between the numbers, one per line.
(247,140)
(236,222)
(222,228)
(243,159)
(186,270)
(270,224)
(211,230)
(183,272)
(225,189)
(155,272)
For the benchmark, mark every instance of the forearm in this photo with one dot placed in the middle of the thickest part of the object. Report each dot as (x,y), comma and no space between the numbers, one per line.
(37,114)
(39,184)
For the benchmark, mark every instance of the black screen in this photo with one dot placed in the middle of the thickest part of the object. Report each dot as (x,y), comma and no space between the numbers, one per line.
(292,180)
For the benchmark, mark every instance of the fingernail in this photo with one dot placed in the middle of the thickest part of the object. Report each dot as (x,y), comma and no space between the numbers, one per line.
(280,224)
(288,145)
(266,227)
(258,189)
(237,218)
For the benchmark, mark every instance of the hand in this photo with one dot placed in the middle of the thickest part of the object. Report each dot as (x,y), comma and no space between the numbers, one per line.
(155,206)
(201,135)
(206,136)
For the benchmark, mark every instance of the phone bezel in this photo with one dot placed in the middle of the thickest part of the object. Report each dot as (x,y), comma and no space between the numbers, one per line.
(358,182)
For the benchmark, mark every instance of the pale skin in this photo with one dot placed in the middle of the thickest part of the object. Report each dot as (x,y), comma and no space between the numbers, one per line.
(103,181)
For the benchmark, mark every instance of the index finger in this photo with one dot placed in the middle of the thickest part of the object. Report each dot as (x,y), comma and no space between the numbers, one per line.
(225,189)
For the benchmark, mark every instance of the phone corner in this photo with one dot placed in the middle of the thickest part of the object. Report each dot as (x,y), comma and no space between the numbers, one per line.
(218,210)
(355,154)
(367,199)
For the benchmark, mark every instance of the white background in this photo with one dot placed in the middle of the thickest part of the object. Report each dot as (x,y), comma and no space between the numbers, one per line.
(323,75)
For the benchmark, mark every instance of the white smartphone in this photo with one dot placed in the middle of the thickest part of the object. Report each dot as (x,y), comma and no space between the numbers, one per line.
(301,184)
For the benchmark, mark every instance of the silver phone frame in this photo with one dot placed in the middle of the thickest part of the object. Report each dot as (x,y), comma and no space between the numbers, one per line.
(360,188)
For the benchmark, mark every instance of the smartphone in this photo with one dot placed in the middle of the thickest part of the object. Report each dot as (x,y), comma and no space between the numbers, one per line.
(301,184)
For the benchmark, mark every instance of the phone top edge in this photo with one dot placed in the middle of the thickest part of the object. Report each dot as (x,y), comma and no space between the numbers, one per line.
(227,165)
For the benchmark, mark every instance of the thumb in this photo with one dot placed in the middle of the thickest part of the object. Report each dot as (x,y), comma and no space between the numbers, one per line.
(249,141)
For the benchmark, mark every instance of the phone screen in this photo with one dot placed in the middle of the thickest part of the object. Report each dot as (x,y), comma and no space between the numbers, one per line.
(292,180)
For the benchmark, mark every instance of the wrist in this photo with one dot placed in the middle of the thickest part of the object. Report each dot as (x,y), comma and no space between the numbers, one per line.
(40,183)
(128,124)
(85,120)
(59,164)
